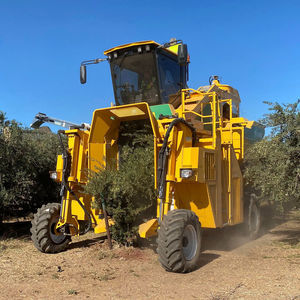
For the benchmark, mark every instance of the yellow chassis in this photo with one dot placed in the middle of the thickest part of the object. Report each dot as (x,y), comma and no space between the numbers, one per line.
(214,192)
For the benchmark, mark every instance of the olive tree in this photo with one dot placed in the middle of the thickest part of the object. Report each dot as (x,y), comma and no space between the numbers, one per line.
(26,157)
(272,166)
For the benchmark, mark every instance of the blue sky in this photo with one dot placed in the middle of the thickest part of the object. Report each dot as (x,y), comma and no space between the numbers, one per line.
(251,45)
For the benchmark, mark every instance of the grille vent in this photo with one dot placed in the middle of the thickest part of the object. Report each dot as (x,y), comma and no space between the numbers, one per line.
(210,166)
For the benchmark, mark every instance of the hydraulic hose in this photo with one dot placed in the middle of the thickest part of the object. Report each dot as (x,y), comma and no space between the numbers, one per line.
(163,161)
(65,185)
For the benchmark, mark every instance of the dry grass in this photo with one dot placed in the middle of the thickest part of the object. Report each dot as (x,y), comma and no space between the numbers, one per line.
(72,292)
(267,268)
(9,244)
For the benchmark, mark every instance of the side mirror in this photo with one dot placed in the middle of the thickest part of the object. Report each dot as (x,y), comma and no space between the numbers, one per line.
(82,74)
(182,54)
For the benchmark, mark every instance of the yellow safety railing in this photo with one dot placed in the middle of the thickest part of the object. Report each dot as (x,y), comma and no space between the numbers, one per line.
(215,118)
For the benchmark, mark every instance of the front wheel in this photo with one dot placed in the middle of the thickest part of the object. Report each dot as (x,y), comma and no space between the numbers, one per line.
(43,231)
(179,241)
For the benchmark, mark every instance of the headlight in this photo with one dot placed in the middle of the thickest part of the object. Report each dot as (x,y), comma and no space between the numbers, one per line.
(53,175)
(186,173)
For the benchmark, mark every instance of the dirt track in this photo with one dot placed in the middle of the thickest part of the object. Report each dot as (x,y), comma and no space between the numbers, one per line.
(232,267)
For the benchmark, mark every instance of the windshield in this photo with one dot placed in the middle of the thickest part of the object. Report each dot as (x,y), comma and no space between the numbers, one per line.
(170,81)
(134,79)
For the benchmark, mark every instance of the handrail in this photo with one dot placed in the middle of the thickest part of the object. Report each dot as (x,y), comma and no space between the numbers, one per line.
(216,117)
(199,115)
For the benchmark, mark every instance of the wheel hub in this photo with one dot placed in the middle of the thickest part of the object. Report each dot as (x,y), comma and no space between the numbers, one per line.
(189,242)
(56,237)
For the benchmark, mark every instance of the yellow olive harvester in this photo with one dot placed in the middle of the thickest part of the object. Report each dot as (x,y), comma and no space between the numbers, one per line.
(199,143)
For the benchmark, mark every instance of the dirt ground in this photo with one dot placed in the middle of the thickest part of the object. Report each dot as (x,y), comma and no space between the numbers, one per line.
(232,267)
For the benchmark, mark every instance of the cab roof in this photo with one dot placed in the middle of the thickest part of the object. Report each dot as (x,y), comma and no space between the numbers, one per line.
(131,45)
(170,49)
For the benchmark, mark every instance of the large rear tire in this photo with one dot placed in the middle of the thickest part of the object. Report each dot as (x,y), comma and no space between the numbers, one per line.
(179,241)
(252,220)
(43,233)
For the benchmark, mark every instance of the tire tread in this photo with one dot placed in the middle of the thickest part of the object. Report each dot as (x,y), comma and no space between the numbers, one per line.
(40,234)
(170,240)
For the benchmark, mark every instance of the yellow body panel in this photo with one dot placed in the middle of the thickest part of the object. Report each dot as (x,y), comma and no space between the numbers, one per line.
(148,229)
(59,168)
(196,197)
(174,48)
(100,227)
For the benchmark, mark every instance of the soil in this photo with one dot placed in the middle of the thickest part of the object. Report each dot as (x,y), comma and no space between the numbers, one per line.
(232,267)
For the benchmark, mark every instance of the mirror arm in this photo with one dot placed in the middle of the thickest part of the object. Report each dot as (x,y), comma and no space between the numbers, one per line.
(93,61)
(172,43)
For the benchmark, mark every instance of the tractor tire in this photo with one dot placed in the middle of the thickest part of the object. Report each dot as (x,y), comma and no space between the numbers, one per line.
(179,241)
(253,220)
(43,232)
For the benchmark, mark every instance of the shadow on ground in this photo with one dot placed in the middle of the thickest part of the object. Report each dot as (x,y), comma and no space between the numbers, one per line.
(207,258)
(287,235)
(87,242)
(18,229)
(232,237)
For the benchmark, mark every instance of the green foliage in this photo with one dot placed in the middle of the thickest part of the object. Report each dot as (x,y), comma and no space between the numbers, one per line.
(128,192)
(272,166)
(26,156)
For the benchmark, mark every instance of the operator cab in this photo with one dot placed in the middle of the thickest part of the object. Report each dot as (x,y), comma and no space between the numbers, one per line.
(146,72)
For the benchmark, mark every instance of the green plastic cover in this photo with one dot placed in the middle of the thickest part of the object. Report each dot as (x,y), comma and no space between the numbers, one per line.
(255,134)
(162,109)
